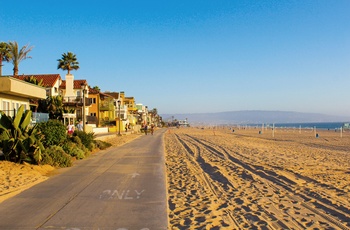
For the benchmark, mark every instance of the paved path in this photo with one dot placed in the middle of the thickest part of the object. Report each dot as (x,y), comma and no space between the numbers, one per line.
(121,188)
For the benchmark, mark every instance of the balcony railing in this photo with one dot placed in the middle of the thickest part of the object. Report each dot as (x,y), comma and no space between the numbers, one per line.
(106,106)
(78,100)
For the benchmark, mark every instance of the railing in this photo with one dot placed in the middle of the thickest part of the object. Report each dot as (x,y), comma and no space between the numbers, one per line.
(39,117)
(73,99)
(36,117)
(106,106)
(77,100)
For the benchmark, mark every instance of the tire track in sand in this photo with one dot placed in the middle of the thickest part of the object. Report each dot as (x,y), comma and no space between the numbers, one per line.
(250,196)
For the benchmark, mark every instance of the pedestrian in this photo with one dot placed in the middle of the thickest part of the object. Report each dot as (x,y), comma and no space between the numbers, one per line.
(70,128)
(80,126)
(145,128)
(152,128)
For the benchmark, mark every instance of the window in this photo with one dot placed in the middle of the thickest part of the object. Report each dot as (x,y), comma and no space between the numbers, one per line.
(6,107)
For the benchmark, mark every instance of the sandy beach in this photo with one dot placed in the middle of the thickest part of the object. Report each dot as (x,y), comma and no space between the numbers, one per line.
(220,179)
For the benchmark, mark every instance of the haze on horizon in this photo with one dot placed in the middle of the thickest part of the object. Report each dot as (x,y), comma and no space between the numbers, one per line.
(195,56)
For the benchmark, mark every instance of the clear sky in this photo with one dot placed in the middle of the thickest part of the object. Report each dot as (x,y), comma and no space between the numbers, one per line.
(194,56)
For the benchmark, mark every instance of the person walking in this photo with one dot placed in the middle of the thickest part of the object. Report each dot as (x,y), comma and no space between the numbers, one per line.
(145,128)
(152,128)
(70,128)
(80,126)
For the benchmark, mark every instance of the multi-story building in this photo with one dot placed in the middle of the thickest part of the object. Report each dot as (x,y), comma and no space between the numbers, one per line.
(15,92)
(102,108)
(51,82)
(72,92)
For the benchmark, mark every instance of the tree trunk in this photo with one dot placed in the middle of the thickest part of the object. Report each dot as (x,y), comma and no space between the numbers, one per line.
(0,65)
(15,71)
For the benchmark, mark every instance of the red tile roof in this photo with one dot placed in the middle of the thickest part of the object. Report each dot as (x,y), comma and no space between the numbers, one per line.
(93,91)
(103,96)
(49,80)
(113,94)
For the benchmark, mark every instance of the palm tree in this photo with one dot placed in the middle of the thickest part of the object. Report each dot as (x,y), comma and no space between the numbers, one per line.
(34,81)
(4,54)
(16,56)
(54,106)
(68,62)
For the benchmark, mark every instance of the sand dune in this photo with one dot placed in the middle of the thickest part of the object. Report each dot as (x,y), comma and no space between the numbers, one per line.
(219,179)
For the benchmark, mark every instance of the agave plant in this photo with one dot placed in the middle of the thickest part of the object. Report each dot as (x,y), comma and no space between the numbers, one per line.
(18,140)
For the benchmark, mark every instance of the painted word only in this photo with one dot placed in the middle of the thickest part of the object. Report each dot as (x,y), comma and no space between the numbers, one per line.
(121,194)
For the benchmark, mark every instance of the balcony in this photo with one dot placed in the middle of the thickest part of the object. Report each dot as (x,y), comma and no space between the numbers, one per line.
(76,101)
(106,106)
(18,88)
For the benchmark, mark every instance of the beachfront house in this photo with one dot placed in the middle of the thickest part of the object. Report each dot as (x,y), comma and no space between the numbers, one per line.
(51,82)
(132,110)
(15,92)
(102,108)
(74,94)
(120,112)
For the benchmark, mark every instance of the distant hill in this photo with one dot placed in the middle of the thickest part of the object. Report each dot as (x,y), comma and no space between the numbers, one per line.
(254,117)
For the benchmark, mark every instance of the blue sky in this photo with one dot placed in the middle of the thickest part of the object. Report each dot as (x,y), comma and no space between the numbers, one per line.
(195,56)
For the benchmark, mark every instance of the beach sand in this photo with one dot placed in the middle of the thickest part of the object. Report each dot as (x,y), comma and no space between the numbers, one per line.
(220,179)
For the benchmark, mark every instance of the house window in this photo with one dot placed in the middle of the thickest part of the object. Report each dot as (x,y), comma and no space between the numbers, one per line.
(92,100)
(56,90)
(79,113)
(6,107)
(93,114)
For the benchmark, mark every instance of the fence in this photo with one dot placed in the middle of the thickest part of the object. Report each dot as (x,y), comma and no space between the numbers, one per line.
(39,117)
(36,117)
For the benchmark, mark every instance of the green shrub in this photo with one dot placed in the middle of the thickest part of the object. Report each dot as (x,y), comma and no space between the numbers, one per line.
(86,138)
(55,132)
(92,146)
(74,150)
(77,140)
(47,159)
(102,144)
(77,153)
(55,156)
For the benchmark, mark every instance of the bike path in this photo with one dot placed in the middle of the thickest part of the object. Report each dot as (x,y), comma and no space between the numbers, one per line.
(121,188)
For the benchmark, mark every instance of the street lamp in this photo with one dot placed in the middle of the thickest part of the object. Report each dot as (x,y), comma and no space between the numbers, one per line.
(119,116)
(84,89)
